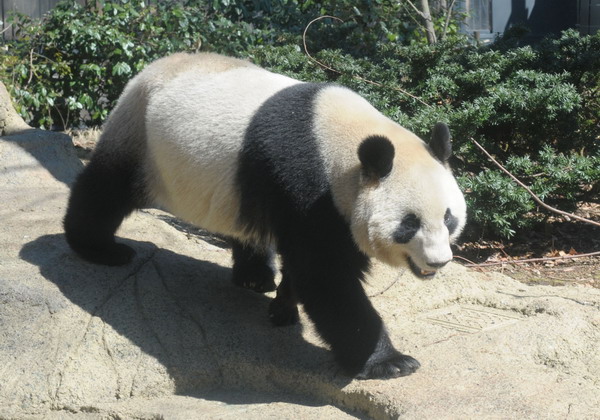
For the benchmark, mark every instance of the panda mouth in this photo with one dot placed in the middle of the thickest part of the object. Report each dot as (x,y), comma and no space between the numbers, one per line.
(419,272)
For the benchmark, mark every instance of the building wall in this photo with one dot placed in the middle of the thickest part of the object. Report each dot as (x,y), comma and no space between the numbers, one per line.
(33,8)
(542,17)
(588,16)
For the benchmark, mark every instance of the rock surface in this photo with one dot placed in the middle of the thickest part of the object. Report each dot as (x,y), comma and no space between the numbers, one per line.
(10,121)
(169,336)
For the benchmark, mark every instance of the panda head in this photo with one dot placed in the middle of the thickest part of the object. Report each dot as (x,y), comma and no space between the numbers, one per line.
(409,208)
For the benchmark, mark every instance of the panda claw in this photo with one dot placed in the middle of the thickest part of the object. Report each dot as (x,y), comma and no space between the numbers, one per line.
(396,366)
(263,287)
(282,314)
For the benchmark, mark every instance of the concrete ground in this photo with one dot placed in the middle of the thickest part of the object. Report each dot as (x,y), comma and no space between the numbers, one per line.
(168,336)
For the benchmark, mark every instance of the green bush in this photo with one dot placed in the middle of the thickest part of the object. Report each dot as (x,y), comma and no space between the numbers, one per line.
(538,116)
(536,108)
(69,68)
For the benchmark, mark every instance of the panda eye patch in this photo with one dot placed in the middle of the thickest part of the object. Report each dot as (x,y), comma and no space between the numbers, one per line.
(450,221)
(408,228)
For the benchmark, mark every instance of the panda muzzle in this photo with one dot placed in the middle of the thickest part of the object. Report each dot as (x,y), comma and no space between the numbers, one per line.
(419,272)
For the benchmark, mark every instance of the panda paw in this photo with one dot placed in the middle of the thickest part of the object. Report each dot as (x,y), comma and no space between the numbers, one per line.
(113,254)
(393,366)
(282,313)
(256,286)
(260,281)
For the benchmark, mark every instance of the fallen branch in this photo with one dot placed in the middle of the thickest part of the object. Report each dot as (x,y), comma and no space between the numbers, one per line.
(531,260)
(470,263)
(531,193)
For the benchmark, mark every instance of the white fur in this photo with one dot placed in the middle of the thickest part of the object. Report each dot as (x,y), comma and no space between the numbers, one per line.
(197,108)
(426,189)
(196,125)
(418,183)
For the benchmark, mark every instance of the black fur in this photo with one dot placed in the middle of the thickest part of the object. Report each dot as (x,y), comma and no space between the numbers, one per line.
(450,221)
(408,228)
(285,195)
(283,310)
(102,196)
(280,169)
(387,362)
(376,154)
(440,143)
(253,268)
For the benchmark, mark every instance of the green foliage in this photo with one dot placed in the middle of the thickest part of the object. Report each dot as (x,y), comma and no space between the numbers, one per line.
(536,108)
(69,69)
(538,116)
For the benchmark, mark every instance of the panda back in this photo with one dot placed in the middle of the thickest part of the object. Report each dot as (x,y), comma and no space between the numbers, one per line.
(196,124)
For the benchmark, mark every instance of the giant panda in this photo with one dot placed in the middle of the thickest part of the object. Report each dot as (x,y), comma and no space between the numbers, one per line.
(311,171)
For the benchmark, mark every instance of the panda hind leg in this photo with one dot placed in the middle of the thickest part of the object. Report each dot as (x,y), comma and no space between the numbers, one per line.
(253,267)
(283,310)
(101,197)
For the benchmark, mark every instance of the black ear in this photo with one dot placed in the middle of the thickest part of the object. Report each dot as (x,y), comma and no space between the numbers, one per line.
(376,154)
(440,143)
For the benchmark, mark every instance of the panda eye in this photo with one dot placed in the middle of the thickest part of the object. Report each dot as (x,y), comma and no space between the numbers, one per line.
(450,221)
(408,228)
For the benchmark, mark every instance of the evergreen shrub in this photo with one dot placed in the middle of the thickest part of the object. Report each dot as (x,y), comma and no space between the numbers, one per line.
(536,108)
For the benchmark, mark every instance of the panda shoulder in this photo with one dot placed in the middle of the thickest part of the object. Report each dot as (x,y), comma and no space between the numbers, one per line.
(341,109)
(342,102)
(160,72)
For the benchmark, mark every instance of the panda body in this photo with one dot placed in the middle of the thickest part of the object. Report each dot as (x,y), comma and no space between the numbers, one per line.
(312,171)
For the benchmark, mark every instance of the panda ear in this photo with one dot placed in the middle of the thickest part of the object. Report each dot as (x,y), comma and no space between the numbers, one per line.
(376,154)
(440,143)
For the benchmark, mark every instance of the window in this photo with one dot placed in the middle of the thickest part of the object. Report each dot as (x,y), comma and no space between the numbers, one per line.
(479,15)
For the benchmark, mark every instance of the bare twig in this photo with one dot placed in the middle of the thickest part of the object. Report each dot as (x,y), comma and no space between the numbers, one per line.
(325,66)
(470,263)
(416,9)
(465,259)
(531,193)
(44,57)
(389,286)
(414,19)
(64,123)
(448,16)
(6,29)
(31,70)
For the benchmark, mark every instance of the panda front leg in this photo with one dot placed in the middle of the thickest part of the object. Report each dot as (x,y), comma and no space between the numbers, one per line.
(283,310)
(333,297)
(253,267)
(101,197)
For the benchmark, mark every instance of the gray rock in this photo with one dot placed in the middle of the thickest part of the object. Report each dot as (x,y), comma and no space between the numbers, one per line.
(10,121)
(169,336)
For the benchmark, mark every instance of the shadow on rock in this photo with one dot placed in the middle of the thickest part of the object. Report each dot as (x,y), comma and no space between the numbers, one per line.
(168,323)
(53,151)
